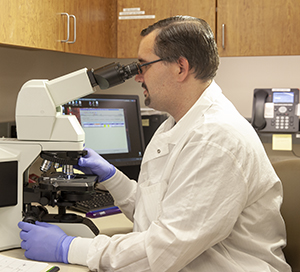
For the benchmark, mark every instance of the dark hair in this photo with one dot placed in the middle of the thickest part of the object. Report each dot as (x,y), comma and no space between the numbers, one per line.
(188,37)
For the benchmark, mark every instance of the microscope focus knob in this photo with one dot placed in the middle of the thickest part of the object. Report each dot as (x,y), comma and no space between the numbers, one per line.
(35,214)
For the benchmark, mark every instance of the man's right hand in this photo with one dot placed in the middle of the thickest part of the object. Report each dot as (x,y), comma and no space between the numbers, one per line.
(93,163)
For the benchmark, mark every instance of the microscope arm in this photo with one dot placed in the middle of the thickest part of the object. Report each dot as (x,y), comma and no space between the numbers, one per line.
(38,111)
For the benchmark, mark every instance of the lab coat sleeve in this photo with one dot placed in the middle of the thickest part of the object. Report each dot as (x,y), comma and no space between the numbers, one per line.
(123,191)
(78,250)
(202,199)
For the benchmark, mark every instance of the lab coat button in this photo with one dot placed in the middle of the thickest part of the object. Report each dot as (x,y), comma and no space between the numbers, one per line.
(158,151)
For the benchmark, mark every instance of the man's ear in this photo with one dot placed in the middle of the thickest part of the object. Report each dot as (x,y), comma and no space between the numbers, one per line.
(184,68)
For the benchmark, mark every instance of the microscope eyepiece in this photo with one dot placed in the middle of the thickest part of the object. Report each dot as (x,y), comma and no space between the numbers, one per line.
(114,74)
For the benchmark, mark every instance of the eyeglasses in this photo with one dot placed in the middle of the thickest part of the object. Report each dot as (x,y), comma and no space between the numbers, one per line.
(142,67)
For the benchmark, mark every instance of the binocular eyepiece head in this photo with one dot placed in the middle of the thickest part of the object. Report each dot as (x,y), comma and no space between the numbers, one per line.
(114,74)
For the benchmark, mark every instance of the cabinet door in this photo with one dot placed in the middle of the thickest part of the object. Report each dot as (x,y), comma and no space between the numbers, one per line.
(31,23)
(134,15)
(95,27)
(205,9)
(258,28)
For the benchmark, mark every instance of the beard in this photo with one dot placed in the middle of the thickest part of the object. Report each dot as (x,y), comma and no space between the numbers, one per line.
(147,95)
(147,100)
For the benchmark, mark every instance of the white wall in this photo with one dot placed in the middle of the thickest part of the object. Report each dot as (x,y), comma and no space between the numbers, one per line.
(238,76)
(19,65)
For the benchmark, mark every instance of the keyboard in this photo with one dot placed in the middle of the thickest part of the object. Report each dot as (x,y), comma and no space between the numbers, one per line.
(100,200)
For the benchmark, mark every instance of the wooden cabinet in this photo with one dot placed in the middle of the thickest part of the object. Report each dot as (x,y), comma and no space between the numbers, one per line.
(31,23)
(111,28)
(258,28)
(43,24)
(242,27)
(134,15)
(95,27)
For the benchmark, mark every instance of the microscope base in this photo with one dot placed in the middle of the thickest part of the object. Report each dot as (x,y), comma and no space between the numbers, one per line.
(73,225)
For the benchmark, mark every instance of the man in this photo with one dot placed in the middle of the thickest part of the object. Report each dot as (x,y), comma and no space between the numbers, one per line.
(207,198)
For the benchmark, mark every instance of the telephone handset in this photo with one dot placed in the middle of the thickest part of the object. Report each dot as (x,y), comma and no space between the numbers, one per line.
(274,110)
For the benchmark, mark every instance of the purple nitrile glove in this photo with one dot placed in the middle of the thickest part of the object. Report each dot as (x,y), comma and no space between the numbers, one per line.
(93,163)
(44,242)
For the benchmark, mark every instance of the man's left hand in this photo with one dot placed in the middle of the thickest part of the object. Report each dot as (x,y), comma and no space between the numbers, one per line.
(44,242)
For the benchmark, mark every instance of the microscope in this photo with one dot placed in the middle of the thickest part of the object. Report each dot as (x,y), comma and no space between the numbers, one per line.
(43,131)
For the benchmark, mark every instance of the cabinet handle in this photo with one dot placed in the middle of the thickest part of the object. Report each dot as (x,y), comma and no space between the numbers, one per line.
(74,20)
(68,26)
(223,36)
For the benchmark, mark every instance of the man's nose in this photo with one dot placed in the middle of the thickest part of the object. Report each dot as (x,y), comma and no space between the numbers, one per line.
(139,78)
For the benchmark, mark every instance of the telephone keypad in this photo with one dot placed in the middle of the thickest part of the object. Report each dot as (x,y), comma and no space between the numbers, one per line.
(282,120)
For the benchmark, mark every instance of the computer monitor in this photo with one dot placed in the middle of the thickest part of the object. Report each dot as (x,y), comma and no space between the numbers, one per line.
(112,125)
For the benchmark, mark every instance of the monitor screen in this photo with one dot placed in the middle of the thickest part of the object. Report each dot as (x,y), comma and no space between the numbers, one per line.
(112,126)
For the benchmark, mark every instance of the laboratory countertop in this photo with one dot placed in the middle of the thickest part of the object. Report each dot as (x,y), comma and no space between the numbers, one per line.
(109,225)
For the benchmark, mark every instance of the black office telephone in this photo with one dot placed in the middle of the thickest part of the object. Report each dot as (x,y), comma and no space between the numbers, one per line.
(274,110)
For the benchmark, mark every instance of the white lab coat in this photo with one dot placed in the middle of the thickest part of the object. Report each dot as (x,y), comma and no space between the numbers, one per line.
(207,200)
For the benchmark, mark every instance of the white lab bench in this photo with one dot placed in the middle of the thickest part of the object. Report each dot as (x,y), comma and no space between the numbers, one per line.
(109,225)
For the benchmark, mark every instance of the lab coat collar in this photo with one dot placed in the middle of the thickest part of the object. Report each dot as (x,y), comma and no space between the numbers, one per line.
(194,117)
(169,133)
